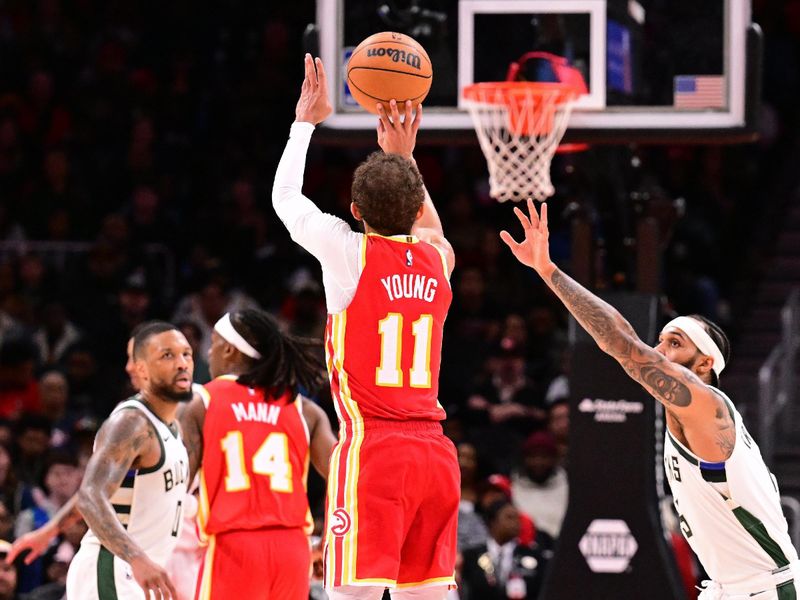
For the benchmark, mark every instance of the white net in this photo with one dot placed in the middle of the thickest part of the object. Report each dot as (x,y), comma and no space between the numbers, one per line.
(519,127)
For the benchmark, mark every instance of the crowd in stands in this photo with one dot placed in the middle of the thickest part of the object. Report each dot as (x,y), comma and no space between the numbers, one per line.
(138,142)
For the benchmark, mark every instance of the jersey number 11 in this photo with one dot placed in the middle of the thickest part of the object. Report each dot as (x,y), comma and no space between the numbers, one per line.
(389,373)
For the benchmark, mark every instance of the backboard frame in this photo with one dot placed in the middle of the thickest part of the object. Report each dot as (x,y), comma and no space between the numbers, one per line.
(591,122)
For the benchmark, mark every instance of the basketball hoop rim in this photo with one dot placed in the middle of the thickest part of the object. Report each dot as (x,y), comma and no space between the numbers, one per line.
(486,91)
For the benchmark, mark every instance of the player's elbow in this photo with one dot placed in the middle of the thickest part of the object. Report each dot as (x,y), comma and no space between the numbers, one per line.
(85,499)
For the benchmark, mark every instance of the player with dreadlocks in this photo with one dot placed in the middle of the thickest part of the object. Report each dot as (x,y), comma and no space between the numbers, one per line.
(255,434)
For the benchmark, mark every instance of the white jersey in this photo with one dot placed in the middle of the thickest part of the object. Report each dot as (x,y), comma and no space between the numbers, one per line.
(149,502)
(730,511)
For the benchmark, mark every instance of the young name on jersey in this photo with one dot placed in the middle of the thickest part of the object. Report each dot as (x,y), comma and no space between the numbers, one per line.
(410,285)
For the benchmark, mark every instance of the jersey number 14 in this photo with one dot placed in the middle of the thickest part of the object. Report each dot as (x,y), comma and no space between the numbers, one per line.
(271,459)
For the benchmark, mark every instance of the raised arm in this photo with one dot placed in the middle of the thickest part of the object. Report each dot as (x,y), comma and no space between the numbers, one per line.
(681,391)
(321,436)
(122,442)
(327,237)
(398,135)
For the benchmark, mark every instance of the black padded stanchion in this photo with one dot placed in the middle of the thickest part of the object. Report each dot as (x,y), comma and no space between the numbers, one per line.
(612,543)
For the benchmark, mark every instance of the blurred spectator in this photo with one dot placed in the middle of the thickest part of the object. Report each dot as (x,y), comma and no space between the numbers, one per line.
(498,487)
(83,434)
(8,325)
(6,522)
(149,221)
(10,490)
(37,285)
(33,440)
(192,333)
(540,486)
(507,405)
(304,309)
(508,395)
(558,388)
(558,425)
(205,307)
(87,393)
(471,528)
(19,391)
(59,483)
(8,574)
(472,327)
(502,568)
(54,392)
(55,335)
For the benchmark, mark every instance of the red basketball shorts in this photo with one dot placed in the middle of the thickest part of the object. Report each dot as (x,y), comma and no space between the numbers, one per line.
(392,506)
(267,564)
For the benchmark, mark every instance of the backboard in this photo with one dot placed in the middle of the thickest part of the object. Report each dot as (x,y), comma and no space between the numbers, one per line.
(656,70)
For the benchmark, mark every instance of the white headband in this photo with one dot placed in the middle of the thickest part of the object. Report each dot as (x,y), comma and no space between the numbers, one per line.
(224,327)
(697,333)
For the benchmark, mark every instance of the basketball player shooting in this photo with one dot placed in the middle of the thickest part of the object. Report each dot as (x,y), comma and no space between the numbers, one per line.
(727,500)
(389,523)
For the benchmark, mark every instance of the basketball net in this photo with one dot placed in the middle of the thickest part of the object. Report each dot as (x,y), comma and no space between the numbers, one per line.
(519,126)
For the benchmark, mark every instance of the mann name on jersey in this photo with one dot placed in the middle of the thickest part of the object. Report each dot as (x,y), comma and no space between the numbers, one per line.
(260,412)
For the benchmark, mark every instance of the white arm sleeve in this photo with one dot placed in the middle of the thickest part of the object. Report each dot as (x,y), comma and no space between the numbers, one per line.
(328,238)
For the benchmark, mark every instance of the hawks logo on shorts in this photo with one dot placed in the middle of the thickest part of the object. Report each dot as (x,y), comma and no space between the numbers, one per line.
(340,522)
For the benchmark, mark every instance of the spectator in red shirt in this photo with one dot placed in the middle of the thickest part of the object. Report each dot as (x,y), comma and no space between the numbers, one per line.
(19,391)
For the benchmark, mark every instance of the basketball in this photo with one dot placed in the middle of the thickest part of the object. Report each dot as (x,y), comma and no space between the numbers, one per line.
(388,66)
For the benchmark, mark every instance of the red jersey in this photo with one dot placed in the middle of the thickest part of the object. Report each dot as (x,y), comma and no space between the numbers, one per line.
(255,460)
(384,350)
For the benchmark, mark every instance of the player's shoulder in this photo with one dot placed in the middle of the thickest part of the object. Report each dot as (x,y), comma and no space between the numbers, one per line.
(221,383)
(436,240)
(126,422)
(311,410)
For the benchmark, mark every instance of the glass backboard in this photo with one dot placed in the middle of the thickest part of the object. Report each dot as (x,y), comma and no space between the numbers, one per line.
(656,70)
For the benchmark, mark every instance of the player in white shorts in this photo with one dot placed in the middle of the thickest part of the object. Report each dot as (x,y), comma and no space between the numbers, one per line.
(134,487)
(727,500)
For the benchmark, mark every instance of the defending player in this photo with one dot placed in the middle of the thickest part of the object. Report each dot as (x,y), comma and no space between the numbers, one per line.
(135,481)
(393,492)
(184,563)
(256,435)
(727,500)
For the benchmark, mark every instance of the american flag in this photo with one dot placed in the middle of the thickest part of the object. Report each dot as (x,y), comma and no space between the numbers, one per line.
(699,91)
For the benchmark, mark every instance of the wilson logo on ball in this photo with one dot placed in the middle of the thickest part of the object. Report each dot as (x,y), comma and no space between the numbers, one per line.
(397,56)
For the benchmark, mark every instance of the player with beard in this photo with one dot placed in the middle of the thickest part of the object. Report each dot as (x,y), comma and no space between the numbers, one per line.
(133,490)
(184,563)
(727,500)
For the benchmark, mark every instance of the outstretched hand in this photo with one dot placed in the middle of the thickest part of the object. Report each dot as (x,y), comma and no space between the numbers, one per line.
(396,135)
(533,251)
(314,105)
(37,542)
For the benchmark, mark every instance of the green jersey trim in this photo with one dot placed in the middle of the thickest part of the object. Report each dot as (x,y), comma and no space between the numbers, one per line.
(787,591)
(106,586)
(756,528)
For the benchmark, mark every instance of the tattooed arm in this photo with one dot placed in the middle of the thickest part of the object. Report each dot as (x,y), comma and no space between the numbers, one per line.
(192,416)
(126,440)
(696,408)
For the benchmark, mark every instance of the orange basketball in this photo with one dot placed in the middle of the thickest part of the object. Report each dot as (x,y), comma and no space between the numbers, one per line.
(388,66)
